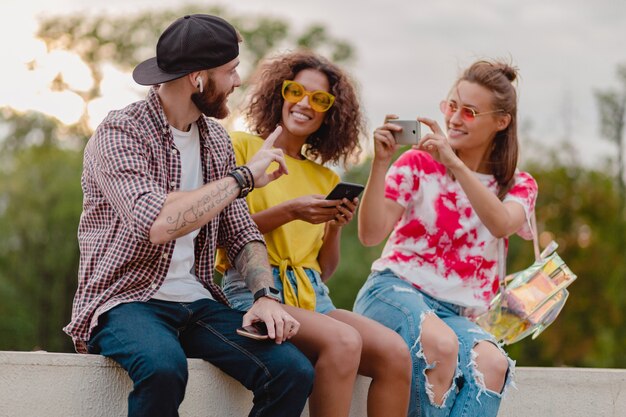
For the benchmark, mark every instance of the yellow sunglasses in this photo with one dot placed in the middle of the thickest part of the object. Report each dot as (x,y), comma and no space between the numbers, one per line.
(294,92)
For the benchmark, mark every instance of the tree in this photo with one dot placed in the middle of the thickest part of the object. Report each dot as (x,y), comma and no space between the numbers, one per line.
(612,108)
(40,203)
(127,40)
(581,209)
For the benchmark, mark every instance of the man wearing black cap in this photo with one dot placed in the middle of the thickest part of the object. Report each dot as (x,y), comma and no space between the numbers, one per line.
(160,194)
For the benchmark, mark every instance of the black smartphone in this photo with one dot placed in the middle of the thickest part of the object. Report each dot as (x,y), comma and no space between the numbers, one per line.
(345,190)
(257,331)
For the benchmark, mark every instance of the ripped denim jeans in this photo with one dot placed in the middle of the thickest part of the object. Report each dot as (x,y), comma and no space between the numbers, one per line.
(400,306)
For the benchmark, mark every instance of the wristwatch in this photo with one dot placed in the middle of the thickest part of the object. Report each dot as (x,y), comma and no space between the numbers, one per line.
(268,292)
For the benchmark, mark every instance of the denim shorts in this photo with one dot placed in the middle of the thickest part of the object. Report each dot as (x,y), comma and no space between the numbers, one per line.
(241,298)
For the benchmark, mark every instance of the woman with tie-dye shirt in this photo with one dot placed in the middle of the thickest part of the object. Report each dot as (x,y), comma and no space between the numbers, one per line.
(444,205)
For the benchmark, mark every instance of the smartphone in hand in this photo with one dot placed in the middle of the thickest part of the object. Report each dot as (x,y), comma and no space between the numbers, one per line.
(257,331)
(345,190)
(410,134)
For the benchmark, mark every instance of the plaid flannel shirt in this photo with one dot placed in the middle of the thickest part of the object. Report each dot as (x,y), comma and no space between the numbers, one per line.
(130,166)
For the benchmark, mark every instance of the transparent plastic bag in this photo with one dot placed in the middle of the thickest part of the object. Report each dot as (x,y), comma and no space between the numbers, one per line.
(531,299)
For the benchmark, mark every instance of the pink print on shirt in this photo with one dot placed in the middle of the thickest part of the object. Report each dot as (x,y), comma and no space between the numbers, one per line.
(439,244)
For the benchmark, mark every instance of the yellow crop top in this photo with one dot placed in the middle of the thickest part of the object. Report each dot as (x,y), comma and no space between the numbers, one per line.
(296,244)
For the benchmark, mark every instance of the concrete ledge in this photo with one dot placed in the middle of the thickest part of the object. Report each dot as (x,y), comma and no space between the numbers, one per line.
(38,384)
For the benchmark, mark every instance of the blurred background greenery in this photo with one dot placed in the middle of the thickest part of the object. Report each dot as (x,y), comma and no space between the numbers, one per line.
(40,199)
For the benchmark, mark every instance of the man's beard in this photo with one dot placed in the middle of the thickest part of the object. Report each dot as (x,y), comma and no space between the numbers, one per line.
(211,104)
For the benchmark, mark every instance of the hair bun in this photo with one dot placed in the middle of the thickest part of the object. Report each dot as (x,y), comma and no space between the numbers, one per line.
(509,72)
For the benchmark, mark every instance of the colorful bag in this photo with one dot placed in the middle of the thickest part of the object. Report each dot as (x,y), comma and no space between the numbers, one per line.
(529,300)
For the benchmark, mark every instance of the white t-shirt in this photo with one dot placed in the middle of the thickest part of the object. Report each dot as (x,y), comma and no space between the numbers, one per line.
(440,244)
(181,283)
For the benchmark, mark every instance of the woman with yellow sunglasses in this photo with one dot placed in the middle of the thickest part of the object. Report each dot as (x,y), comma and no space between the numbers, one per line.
(316,104)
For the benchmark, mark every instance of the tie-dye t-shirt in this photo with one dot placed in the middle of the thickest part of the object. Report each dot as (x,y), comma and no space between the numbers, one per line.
(439,244)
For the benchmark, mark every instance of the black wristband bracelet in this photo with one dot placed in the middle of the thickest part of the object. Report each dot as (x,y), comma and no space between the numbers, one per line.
(245,172)
(250,176)
(238,179)
(244,185)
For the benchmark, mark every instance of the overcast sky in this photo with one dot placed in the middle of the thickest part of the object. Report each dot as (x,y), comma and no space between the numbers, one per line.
(409,52)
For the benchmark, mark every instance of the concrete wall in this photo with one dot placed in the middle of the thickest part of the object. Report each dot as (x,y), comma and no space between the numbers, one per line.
(37,384)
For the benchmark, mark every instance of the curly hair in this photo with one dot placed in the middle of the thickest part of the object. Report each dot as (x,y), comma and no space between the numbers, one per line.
(337,139)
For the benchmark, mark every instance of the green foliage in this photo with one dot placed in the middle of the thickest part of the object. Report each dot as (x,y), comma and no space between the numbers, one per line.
(612,109)
(582,209)
(40,203)
(127,40)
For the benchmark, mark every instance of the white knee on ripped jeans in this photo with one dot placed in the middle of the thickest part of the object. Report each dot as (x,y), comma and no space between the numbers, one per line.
(480,377)
(427,385)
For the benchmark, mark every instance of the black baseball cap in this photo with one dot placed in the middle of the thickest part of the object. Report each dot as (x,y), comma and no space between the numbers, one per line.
(192,43)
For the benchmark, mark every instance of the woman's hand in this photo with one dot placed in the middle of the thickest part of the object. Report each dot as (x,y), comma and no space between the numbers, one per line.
(345,213)
(437,145)
(384,142)
(329,253)
(314,208)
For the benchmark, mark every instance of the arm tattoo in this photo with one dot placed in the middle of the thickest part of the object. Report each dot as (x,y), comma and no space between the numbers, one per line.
(214,197)
(253,266)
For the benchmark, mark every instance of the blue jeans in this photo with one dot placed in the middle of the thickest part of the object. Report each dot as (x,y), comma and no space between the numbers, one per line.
(400,306)
(152,341)
(241,298)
